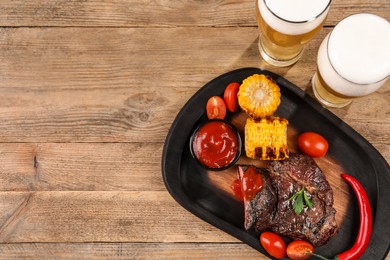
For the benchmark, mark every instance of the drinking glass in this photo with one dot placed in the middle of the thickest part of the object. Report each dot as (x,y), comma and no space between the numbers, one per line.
(353,60)
(285,26)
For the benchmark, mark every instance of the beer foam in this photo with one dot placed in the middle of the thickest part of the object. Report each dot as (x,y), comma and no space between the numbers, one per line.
(359,48)
(294,16)
(337,82)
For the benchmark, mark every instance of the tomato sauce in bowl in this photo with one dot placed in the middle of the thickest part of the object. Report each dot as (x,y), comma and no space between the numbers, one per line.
(216,144)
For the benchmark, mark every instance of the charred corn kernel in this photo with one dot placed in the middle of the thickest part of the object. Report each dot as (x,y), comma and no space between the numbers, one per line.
(259,96)
(266,138)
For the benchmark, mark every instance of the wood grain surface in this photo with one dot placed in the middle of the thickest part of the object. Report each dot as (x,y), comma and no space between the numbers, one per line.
(88,92)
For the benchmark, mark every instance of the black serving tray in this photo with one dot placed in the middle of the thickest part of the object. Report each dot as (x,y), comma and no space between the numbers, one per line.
(205,194)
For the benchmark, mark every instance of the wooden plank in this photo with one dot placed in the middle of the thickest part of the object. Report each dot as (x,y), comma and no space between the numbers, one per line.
(157,13)
(17,170)
(87,167)
(105,115)
(81,167)
(83,85)
(128,251)
(122,216)
(100,217)
(97,99)
(100,58)
(129,217)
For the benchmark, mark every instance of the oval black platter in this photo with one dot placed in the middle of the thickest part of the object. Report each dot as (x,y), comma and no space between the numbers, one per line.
(185,181)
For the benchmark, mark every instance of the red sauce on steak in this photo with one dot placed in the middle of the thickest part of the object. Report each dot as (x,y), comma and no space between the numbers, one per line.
(252,182)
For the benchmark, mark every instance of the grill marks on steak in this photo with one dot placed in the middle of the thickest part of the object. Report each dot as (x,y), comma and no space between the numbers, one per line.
(271,207)
(317,224)
(259,210)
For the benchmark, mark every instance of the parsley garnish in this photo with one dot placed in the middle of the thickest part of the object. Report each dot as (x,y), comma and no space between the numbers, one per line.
(300,199)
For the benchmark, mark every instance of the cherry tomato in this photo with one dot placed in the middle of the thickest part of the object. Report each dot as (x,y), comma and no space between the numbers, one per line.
(230,96)
(216,108)
(299,250)
(312,144)
(273,244)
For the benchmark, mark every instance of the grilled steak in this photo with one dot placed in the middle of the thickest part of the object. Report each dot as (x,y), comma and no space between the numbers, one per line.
(259,210)
(271,207)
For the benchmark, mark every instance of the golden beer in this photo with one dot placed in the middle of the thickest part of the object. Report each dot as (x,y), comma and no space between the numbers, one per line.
(326,95)
(281,42)
(353,60)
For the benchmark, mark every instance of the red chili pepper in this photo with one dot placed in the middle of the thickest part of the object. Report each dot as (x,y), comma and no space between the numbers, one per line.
(365,227)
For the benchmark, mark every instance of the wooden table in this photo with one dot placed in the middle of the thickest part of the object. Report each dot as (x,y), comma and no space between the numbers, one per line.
(88,91)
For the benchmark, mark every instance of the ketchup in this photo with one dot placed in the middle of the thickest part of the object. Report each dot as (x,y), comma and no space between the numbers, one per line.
(250,184)
(216,144)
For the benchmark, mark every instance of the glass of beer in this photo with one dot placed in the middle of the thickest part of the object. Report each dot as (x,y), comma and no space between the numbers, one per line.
(285,26)
(353,60)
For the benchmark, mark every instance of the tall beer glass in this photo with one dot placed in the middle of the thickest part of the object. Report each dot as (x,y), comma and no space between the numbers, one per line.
(353,60)
(285,26)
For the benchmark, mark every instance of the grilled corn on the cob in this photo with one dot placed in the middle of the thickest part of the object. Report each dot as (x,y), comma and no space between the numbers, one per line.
(266,138)
(259,96)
